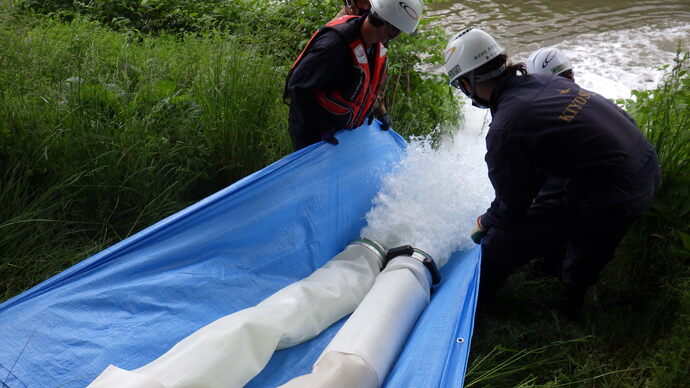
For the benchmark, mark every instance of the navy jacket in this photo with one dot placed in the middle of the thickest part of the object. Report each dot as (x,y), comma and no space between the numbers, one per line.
(548,126)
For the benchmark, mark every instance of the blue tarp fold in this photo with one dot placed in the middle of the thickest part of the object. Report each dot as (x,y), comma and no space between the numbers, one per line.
(132,302)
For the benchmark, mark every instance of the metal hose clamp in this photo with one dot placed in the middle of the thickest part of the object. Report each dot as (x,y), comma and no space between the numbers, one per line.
(373,246)
(419,255)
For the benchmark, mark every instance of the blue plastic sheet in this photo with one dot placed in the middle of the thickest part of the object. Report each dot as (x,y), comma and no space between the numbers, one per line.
(130,303)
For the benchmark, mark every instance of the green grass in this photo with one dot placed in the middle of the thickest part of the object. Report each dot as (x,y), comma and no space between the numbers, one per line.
(102,135)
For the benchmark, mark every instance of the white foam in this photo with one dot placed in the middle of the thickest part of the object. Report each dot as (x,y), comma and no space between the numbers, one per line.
(433,198)
(613,63)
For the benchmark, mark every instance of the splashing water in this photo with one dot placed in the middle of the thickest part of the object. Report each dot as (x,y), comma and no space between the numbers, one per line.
(432,199)
(615,62)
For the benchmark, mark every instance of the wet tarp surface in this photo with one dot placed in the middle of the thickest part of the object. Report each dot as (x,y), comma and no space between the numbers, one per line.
(132,302)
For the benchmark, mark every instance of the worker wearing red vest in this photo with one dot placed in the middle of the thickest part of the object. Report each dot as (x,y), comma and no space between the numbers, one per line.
(355,7)
(335,80)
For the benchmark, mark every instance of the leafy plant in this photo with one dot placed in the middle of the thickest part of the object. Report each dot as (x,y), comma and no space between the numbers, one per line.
(657,250)
(420,101)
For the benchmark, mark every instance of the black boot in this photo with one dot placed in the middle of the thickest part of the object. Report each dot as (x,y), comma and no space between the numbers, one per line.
(572,299)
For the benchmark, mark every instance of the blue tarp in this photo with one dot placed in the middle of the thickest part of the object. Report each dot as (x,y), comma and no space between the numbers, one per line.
(132,302)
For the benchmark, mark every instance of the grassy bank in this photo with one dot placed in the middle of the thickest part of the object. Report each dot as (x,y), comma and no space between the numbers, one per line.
(115,114)
(101,135)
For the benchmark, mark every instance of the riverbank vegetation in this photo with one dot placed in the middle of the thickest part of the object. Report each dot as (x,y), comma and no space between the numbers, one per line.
(115,114)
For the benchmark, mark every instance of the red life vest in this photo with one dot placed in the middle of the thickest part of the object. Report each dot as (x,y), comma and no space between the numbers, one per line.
(358,105)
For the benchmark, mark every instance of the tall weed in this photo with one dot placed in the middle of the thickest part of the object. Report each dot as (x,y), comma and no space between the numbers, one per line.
(102,135)
(654,262)
(419,101)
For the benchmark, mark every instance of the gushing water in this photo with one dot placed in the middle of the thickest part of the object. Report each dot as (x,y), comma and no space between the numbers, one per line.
(433,197)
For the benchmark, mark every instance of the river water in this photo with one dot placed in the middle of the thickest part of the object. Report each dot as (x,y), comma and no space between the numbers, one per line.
(433,198)
(611,43)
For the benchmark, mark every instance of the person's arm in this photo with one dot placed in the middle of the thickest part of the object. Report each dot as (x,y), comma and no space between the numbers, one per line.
(380,113)
(320,69)
(553,187)
(379,109)
(514,177)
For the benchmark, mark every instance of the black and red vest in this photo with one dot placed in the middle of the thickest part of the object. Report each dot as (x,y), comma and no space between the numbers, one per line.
(354,105)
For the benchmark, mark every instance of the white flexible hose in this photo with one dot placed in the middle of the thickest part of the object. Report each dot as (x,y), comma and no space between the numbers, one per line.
(369,342)
(230,351)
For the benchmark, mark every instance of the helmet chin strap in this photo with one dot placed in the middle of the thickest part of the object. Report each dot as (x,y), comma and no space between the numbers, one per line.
(476,100)
(474,78)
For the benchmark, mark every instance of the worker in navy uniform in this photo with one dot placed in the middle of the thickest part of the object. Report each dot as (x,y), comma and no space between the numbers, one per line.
(550,60)
(547,126)
(336,79)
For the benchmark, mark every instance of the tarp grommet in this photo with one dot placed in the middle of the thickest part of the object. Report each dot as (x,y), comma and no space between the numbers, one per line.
(460,340)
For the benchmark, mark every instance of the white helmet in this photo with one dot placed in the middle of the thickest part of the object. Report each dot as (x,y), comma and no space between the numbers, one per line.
(467,51)
(548,60)
(402,14)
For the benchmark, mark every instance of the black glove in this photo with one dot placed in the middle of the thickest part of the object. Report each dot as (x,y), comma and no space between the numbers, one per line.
(328,137)
(370,119)
(386,122)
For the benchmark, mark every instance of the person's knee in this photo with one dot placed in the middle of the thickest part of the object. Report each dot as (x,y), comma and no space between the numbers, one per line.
(501,256)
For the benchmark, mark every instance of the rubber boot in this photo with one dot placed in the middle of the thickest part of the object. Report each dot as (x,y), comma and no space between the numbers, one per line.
(572,299)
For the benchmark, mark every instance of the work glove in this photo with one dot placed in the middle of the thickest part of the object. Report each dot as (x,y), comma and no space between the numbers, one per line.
(328,137)
(386,122)
(478,232)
